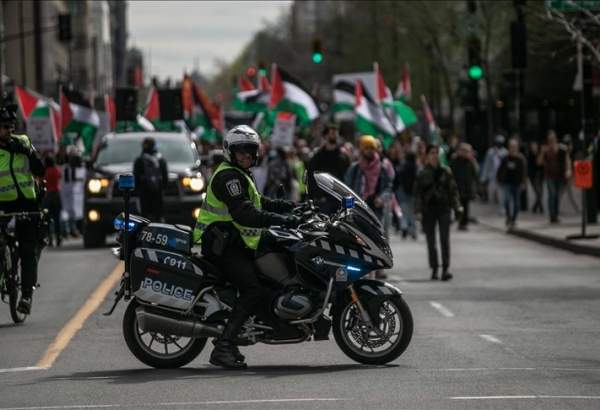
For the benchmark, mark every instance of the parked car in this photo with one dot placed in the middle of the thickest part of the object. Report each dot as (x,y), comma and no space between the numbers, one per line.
(115,155)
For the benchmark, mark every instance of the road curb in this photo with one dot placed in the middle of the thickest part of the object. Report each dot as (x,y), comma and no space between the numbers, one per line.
(548,240)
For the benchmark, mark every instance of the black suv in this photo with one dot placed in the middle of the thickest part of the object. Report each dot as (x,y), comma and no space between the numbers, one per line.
(115,155)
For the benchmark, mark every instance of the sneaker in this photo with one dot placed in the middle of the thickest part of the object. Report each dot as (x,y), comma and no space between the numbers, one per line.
(24,305)
(446,276)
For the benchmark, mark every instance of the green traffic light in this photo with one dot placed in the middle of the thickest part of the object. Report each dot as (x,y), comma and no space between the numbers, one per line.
(317,58)
(262,72)
(475,72)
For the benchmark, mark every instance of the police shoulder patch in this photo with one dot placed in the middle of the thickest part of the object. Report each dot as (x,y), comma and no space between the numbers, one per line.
(234,187)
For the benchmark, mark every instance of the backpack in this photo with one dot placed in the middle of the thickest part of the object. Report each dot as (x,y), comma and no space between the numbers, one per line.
(152,176)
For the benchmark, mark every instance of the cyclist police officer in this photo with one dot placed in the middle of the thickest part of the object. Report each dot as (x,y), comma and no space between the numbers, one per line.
(19,163)
(229,229)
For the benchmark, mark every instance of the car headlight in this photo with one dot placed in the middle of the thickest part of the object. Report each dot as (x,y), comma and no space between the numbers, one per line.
(195,184)
(96,185)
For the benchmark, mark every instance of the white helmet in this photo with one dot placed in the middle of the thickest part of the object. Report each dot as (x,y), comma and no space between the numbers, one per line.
(241,138)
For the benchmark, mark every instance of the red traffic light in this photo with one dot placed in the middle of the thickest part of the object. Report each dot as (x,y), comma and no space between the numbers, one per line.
(251,71)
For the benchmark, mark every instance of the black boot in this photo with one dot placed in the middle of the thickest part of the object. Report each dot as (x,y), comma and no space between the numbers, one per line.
(226,354)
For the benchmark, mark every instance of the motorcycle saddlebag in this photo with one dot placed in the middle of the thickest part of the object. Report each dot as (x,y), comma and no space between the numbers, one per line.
(164,278)
(176,238)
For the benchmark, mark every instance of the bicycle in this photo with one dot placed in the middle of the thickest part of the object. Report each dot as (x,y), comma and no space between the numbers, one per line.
(10,274)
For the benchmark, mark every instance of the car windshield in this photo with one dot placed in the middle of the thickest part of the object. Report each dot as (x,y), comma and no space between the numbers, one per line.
(126,150)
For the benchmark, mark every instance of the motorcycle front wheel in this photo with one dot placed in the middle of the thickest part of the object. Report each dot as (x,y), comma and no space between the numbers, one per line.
(379,344)
(13,286)
(155,349)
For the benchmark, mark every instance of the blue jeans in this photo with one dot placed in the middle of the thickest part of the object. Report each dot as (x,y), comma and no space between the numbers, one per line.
(407,204)
(554,187)
(512,201)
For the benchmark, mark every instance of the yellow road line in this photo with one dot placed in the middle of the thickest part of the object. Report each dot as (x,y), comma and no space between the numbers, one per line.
(70,329)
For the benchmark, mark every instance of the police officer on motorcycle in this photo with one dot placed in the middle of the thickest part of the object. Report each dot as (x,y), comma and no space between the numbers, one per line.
(229,230)
(19,163)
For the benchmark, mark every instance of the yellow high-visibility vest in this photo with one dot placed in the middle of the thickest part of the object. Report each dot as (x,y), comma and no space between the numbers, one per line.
(213,210)
(15,171)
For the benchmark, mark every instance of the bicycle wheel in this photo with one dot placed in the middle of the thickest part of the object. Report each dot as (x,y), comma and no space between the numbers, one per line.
(13,286)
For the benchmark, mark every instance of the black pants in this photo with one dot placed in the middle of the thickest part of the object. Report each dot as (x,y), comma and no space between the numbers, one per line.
(237,266)
(431,219)
(464,202)
(152,205)
(26,231)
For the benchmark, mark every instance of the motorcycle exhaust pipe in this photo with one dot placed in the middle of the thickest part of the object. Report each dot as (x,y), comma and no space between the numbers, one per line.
(154,322)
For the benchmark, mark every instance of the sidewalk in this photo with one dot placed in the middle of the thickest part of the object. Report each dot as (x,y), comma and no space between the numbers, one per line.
(537,227)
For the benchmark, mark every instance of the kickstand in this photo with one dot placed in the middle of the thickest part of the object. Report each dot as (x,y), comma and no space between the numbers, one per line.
(119,294)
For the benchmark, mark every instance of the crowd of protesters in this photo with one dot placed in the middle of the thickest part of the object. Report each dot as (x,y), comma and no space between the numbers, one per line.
(65,178)
(413,181)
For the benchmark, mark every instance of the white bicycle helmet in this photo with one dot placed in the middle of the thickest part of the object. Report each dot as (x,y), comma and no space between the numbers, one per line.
(241,138)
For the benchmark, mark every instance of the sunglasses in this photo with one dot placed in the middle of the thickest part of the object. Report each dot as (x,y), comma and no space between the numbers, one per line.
(6,126)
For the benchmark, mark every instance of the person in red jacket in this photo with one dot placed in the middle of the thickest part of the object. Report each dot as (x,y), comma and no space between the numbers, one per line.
(52,199)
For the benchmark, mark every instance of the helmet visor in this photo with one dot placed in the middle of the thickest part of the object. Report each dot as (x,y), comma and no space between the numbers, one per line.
(251,149)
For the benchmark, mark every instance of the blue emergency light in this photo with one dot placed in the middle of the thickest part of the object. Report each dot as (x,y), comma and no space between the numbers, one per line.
(126,182)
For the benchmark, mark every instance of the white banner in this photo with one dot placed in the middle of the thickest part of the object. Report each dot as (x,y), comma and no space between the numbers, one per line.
(39,131)
(283,131)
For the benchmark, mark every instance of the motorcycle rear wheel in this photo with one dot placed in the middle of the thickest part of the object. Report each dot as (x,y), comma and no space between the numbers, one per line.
(140,344)
(359,342)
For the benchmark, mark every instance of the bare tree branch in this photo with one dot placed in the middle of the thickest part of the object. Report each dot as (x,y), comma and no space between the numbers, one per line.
(574,31)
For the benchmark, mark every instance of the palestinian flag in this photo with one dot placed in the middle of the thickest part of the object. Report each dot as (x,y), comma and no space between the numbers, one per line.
(404,90)
(406,114)
(288,95)
(370,118)
(152,110)
(430,120)
(384,97)
(244,84)
(343,97)
(201,114)
(34,105)
(111,110)
(251,101)
(79,118)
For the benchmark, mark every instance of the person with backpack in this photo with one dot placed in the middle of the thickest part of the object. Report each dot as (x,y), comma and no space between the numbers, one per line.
(151,177)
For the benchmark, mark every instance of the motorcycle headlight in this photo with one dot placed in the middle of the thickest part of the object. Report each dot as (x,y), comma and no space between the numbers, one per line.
(97,185)
(194,184)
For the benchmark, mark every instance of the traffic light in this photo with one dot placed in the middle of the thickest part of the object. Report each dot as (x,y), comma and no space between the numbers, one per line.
(475,72)
(64,28)
(317,51)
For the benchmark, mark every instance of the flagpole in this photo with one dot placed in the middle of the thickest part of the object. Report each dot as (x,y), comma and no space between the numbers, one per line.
(383,109)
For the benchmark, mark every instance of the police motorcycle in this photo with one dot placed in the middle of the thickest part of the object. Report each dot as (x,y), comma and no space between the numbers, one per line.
(177,299)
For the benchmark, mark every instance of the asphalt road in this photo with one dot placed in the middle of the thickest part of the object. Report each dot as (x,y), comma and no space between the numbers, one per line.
(517,328)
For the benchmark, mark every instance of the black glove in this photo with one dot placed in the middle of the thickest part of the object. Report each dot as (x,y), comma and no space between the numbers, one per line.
(18,148)
(291,221)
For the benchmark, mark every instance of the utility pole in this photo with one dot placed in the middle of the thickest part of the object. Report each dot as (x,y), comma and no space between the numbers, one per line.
(2,67)
(22,43)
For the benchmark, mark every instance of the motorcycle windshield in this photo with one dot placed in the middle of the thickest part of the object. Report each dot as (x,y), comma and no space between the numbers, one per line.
(338,190)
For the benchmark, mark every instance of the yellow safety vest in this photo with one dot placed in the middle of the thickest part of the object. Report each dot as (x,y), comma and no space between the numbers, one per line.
(14,170)
(213,210)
